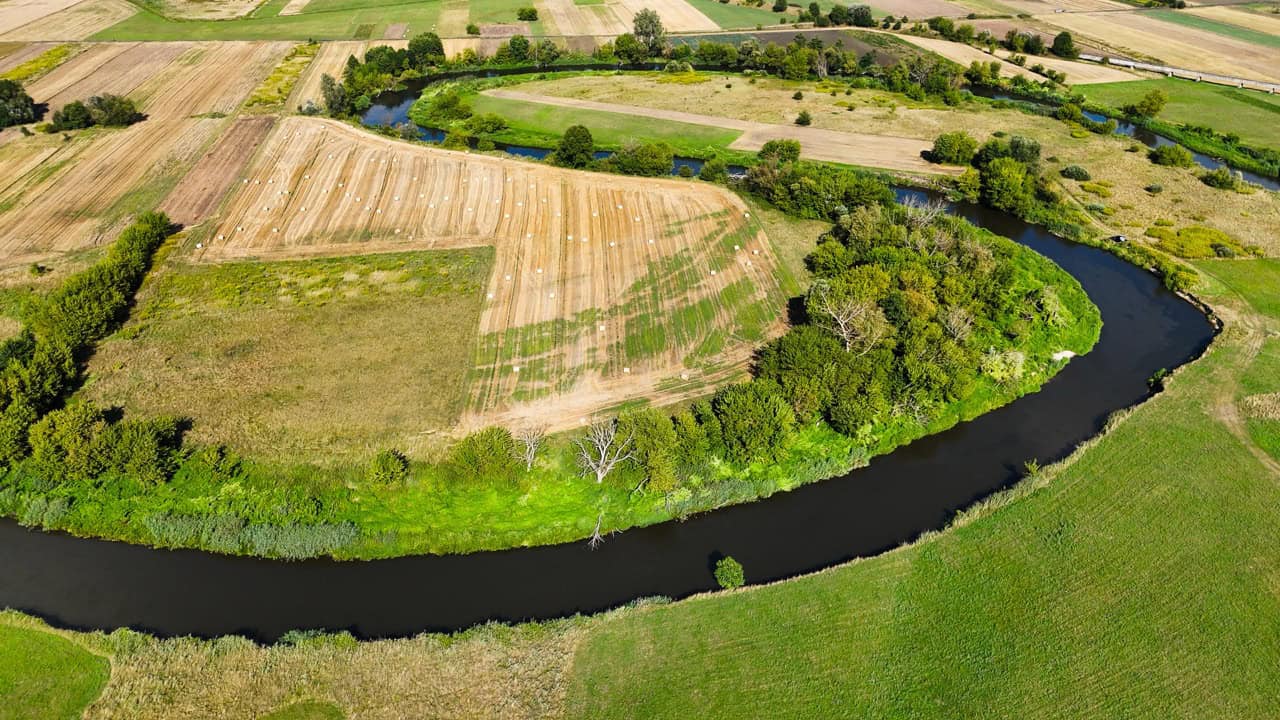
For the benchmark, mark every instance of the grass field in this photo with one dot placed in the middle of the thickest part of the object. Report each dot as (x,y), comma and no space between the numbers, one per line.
(1237,32)
(1254,116)
(46,677)
(275,89)
(399,327)
(545,123)
(731,15)
(1138,582)
(320,20)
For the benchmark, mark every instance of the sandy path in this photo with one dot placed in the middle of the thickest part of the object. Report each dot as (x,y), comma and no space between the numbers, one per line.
(77,22)
(880,151)
(571,249)
(1149,37)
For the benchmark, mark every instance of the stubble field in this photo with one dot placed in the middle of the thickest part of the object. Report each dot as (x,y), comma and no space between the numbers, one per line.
(46,207)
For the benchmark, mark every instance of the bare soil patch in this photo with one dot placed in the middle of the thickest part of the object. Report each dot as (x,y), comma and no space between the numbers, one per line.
(77,22)
(199,193)
(591,271)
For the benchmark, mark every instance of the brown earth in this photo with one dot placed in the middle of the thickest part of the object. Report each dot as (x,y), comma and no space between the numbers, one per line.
(199,193)
(575,255)
(880,151)
(62,195)
(77,22)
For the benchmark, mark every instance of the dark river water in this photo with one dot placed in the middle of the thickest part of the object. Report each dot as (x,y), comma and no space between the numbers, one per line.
(98,584)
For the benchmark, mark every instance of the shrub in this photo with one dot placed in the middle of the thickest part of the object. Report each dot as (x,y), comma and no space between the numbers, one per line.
(388,467)
(755,420)
(804,118)
(953,148)
(1094,188)
(685,171)
(576,148)
(648,159)
(1171,155)
(488,455)
(1221,178)
(798,95)
(714,170)
(784,151)
(486,123)
(729,573)
(1154,188)
(473,29)
(1074,172)
(527,14)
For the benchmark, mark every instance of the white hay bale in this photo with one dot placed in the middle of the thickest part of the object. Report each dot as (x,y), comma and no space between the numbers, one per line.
(626,370)
(713,272)
(552,296)
(539,271)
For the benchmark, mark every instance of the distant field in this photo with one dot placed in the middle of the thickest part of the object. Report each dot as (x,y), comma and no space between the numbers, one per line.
(731,15)
(319,20)
(1140,582)
(279,360)
(1239,32)
(1254,116)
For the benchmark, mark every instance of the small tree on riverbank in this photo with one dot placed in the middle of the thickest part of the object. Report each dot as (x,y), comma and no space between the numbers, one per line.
(600,450)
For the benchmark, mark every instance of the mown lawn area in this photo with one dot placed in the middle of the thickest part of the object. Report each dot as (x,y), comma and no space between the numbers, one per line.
(732,16)
(46,677)
(1252,115)
(1139,582)
(544,124)
(320,20)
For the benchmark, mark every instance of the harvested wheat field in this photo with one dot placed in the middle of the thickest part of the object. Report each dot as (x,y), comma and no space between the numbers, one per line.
(118,68)
(918,9)
(1048,7)
(614,17)
(19,52)
(1149,37)
(1261,21)
(76,22)
(208,9)
(199,193)
(60,195)
(604,288)
(16,13)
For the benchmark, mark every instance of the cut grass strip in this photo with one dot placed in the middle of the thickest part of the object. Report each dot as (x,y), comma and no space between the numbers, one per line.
(276,88)
(38,66)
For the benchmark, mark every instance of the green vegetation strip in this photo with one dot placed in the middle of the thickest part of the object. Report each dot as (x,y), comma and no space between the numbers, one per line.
(41,64)
(1139,579)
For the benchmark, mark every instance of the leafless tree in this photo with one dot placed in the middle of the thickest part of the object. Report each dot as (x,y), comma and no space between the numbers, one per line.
(600,450)
(528,440)
(860,324)
(958,322)
(596,538)
(921,213)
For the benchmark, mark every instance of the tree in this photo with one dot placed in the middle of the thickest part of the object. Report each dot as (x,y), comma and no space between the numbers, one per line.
(850,311)
(862,16)
(804,118)
(755,420)
(601,449)
(784,151)
(576,148)
(16,106)
(779,5)
(527,14)
(653,439)
(334,94)
(1149,106)
(425,49)
(528,440)
(113,111)
(729,573)
(1065,46)
(630,50)
(1004,185)
(518,46)
(714,170)
(649,31)
(72,116)
(473,29)
(953,148)
(649,159)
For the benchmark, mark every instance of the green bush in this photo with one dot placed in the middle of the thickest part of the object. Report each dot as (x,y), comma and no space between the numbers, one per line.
(783,151)
(16,106)
(953,148)
(576,148)
(1221,178)
(487,456)
(388,467)
(1171,155)
(527,14)
(1075,172)
(714,170)
(804,118)
(729,573)
(755,420)
(648,159)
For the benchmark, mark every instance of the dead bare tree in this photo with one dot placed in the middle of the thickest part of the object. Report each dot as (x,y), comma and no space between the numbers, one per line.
(860,324)
(922,213)
(958,322)
(600,450)
(528,440)
(596,538)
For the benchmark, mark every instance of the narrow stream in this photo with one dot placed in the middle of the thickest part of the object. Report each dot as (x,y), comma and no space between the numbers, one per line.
(97,584)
